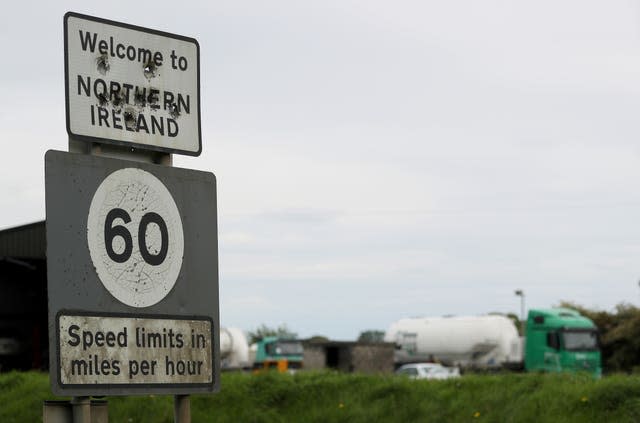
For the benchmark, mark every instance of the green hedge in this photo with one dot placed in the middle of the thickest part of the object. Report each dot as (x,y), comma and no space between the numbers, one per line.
(334,397)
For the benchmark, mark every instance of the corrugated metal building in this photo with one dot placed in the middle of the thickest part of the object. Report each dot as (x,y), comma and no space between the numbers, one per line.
(23,297)
(24,242)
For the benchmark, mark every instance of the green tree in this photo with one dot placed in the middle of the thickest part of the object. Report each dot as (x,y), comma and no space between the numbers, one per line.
(263,330)
(318,339)
(514,318)
(371,336)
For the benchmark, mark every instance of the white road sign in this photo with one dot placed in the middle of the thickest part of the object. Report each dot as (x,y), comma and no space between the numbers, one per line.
(135,237)
(134,351)
(131,86)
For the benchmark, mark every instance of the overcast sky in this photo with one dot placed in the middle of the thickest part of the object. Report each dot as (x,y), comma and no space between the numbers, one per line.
(382,159)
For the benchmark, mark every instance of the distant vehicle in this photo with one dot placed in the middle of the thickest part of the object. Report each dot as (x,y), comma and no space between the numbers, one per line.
(10,346)
(10,352)
(561,340)
(272,352)
(428,371)
(465,341)
(556,340)
(234,349)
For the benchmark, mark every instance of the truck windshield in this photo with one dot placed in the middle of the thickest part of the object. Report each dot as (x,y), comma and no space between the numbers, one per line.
(580,340)
(285,348)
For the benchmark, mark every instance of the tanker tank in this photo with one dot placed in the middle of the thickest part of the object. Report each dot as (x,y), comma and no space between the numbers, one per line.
(234,349)
(490,341)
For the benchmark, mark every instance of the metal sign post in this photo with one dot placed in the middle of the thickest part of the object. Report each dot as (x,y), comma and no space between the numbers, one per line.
(181,409)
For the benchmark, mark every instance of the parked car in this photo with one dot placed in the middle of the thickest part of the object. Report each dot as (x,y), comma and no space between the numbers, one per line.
(428,371)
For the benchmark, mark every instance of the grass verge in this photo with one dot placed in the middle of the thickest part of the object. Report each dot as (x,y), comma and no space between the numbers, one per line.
(334,397)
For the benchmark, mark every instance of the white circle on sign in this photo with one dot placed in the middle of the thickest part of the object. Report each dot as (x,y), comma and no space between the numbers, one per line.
(135,237)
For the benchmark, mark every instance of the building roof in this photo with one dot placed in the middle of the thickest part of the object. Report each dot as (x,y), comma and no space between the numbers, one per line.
(25,241)
(348,344)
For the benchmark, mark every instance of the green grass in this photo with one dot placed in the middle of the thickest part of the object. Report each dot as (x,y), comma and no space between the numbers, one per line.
(334,397)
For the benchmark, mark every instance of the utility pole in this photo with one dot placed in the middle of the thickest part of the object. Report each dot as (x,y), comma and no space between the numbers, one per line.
(520,293)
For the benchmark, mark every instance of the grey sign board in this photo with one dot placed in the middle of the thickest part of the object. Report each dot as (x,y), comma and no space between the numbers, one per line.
(132,270)
(131,86)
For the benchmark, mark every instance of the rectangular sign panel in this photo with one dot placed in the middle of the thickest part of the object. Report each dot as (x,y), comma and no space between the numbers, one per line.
(131,86)
(132,277)
(128,350)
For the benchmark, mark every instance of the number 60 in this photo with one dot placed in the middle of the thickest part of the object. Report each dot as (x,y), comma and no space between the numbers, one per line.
(111,232)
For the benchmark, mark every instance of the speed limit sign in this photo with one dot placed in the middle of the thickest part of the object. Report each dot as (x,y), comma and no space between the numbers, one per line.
(135,238)
(132,276)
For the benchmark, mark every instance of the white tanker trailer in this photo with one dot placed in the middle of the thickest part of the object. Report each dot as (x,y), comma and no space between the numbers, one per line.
(234,349)
(469,342)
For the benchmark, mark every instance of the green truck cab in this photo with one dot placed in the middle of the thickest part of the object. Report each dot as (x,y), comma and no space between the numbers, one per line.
(282,354)
(561,339)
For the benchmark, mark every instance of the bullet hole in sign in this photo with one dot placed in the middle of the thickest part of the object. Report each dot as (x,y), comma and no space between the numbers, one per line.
(139,99)
(150,70)
(174,111)
(130,119)
(153,99)
(118,101)
(102,64)
(103,101)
